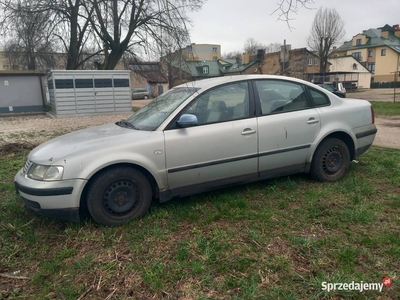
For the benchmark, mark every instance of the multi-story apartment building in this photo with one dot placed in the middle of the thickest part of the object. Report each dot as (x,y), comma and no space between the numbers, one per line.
(205,52)
(376,49)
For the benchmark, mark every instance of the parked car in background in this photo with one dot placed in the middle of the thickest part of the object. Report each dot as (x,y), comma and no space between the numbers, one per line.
(139,94)
(197,137)
(337,85)
(329,87)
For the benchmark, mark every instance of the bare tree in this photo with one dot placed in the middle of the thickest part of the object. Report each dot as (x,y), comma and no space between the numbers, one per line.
(286,8)
(73,30)
(327,30)
(123,24)
(12,54)
(66,21)
(273,47)
(251,46)
(29,34)
(232,54)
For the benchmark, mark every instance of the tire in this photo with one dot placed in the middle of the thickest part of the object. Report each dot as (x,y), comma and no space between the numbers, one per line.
(145,97)
(331,160)
(119,195)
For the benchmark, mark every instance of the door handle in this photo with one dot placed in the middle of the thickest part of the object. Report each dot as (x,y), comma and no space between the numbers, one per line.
(248,131)
(312,121)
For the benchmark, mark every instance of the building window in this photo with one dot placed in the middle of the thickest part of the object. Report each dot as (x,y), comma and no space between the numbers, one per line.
(316,61)
(205,70)
(371,67)
(358,42)
(357,55)
(370,53)
(214,49)
(383,52)
(310,61)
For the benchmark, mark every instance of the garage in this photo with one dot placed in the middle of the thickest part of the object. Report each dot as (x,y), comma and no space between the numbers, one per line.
(22,92)
(82,92)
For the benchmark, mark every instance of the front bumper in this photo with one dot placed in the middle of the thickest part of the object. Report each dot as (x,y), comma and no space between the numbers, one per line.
(59,199)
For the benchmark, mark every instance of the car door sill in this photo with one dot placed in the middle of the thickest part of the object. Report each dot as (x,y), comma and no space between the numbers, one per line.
(228,182)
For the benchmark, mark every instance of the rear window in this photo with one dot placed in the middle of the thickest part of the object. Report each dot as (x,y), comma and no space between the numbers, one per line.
(319,98)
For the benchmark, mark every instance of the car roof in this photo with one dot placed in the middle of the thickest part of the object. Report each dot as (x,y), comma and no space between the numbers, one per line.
(210,82)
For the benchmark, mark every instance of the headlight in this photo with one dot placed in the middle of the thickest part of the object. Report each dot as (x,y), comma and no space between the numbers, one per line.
(47,173)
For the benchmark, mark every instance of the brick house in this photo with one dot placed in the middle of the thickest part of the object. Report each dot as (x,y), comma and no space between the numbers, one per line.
(294,63)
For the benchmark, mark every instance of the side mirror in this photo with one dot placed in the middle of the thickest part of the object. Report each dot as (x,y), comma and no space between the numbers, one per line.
(187,120)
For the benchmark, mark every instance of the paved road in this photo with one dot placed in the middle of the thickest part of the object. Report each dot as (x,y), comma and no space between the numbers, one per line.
(385,95)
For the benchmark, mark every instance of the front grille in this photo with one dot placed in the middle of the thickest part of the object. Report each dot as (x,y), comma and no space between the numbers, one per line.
(27,165)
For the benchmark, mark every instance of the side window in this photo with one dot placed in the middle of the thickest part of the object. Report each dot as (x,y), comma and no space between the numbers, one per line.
(319,98)
(278,96)
(225,103)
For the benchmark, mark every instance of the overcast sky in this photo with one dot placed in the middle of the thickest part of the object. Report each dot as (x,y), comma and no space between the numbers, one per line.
(230,22)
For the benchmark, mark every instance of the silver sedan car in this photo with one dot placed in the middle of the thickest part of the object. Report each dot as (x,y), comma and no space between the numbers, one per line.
(196,137)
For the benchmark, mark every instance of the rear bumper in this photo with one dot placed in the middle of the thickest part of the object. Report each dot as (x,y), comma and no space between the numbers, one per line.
(365,138)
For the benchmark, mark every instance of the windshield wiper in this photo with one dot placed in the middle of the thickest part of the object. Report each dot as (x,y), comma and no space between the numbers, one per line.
(125,123)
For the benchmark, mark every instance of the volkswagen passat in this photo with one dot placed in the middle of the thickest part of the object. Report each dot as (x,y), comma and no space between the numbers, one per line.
(196,137)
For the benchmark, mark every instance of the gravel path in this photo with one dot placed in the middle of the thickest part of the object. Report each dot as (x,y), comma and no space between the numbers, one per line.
(39,128)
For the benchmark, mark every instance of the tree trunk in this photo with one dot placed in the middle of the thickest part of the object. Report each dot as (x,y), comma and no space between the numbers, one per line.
(72,62)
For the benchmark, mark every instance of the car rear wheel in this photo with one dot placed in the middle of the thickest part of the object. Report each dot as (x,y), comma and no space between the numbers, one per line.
(119,195)
(331,160)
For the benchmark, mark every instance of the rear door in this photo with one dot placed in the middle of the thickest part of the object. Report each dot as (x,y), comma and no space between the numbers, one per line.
(287,127)
(221,149)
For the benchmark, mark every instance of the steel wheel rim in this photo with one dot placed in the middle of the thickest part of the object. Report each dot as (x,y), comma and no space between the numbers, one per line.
(120,197)
(332,161)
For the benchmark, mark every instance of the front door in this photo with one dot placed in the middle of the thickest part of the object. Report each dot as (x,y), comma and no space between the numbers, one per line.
(221,149)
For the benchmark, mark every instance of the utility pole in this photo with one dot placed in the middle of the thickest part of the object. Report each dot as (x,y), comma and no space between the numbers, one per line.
(396,76)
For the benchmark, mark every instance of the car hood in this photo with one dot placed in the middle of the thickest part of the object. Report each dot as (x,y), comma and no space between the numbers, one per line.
(99,137)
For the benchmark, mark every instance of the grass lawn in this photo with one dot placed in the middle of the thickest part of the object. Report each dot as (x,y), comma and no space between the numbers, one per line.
(386,108)
(276,239)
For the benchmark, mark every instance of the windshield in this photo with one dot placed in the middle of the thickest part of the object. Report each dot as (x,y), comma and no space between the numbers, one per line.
(153,114)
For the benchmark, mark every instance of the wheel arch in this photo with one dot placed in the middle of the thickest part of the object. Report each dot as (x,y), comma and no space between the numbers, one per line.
(343,136)
(145,172)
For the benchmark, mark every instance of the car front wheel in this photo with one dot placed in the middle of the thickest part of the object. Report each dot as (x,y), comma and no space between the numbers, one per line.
(145,97)
(119,195)
(331,160)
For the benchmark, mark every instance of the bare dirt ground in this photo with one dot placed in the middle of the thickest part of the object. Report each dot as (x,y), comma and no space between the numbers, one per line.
(388,127)
(39,128)
(385,95)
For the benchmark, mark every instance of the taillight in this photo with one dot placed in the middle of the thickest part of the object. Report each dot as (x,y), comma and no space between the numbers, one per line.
(372,115)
